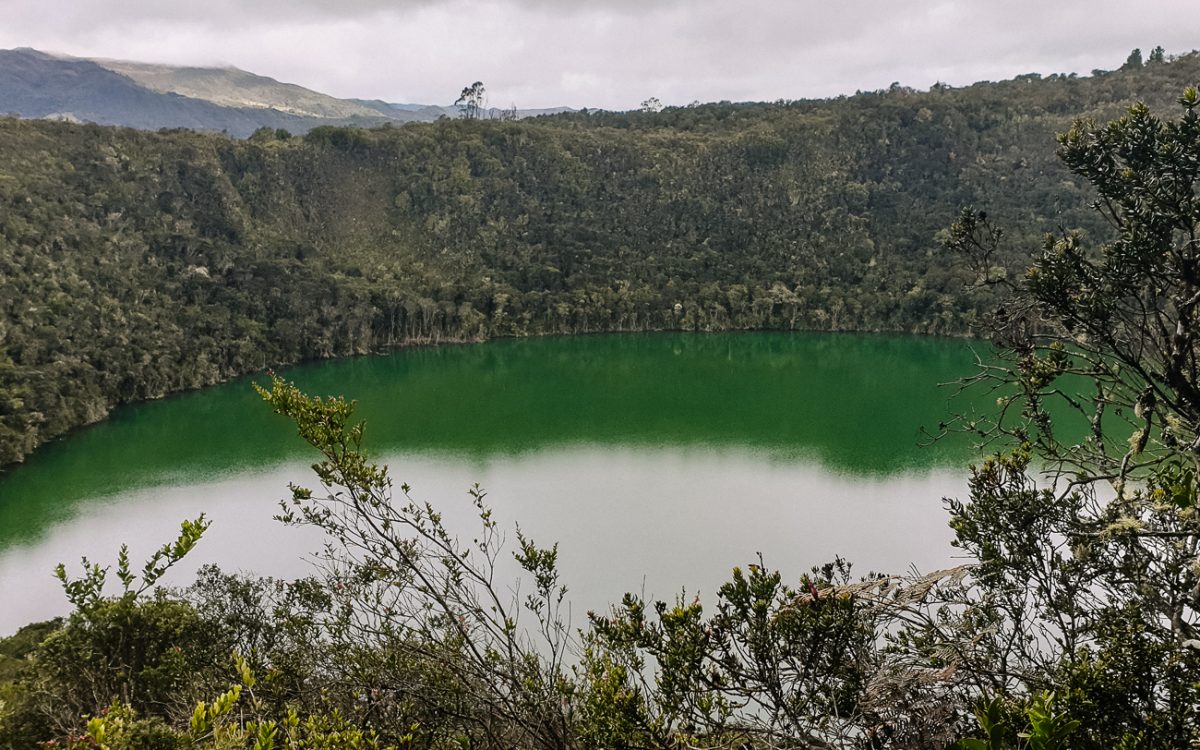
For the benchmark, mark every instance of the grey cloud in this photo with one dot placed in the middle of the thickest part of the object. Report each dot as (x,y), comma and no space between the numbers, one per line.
(225,13)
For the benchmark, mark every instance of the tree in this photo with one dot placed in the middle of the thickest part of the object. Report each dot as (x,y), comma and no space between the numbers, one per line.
(1089,582)
(456,637)
(652,105)
(133,648)
(472,101)
(1134,61)
(1124,317)
(772,665)
(1158,55)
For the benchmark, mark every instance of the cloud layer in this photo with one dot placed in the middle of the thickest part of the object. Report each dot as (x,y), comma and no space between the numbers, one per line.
(608,53)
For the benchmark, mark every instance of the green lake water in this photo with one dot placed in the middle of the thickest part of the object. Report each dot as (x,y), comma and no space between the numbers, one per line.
(658,461)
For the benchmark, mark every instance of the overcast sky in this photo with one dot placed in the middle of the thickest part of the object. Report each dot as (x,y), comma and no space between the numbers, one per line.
(610,53)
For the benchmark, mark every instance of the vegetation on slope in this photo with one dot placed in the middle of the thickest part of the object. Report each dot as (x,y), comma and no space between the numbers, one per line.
(1072,626)
(136,264)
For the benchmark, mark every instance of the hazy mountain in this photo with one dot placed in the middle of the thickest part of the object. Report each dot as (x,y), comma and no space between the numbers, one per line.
(35,84)
(231,87)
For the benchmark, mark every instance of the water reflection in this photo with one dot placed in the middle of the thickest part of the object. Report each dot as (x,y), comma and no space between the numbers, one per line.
(670,457)
(658,520)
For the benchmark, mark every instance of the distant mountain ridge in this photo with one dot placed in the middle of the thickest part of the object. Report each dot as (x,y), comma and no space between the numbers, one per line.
(35,84)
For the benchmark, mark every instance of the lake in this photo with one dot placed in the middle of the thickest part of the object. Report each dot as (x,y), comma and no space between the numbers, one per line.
(657,461)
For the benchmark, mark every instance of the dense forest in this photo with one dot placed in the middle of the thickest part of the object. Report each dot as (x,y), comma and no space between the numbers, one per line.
(134,264)
(1070,624)
(1073,622)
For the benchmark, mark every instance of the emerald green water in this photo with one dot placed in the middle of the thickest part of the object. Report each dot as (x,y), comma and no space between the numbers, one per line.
(641,429)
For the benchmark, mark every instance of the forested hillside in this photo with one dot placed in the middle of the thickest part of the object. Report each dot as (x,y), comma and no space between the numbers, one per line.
(134,264)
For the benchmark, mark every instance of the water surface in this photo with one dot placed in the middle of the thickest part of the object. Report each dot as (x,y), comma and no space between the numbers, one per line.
(658,461)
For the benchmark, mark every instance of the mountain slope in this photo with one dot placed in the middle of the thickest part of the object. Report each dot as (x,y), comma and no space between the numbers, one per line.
(33,84)
(137,264)
(147,96)
(232,87)
(36,85)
